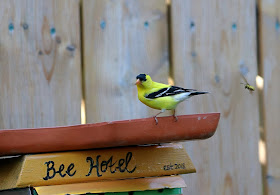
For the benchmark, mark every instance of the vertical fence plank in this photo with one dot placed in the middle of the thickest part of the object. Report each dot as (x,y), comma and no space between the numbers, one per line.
(122,39)
(213,43)
(269,59)
(40,80)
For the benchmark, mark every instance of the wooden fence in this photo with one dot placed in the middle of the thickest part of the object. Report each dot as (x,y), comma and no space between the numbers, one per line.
(55,53)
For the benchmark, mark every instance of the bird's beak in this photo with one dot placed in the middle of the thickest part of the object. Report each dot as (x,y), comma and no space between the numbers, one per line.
(138,82)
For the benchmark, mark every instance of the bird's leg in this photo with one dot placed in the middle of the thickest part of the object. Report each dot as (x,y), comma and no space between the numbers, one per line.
(176,118)
(162,111)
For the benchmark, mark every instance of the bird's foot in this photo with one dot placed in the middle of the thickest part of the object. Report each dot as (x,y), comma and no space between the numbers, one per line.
(176,118)
(156,120)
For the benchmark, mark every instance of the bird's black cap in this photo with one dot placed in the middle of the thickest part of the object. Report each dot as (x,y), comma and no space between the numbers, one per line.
(141,77)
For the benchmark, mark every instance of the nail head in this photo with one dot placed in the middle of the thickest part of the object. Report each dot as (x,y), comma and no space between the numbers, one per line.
(234,26)
(217,78)
(25,26)
(146,24)
(52,31)
(11,27)
(277,25)
(102,24)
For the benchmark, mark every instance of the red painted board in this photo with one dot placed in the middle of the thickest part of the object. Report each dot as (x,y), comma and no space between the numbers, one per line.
(108,134)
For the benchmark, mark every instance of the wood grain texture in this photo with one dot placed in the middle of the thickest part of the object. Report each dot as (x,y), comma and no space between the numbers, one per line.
(94,165)
(122,39)
(273,185)
(40,77)
(270,59)
(269,37)
(124,185)
(213,42)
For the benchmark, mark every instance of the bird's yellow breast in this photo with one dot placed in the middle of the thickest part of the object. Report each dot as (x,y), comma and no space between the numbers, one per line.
(167,102)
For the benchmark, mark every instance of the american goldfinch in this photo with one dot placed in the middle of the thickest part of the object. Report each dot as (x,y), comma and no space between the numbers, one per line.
(161,96)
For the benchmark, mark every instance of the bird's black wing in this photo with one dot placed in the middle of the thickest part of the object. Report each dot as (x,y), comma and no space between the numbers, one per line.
(169,91)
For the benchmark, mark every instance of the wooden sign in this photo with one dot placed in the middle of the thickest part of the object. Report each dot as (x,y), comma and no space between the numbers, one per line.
(92,165)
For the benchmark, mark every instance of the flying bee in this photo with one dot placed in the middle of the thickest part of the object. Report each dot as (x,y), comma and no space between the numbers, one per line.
(247,85)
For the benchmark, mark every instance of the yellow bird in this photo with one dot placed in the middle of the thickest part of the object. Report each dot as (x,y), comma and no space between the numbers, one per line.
(161,96)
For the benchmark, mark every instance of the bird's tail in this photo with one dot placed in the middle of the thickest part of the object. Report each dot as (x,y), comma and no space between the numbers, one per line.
(198,93)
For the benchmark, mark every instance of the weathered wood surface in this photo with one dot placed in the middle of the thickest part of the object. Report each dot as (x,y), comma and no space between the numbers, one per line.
(269,26)
(213,43)
(122,39)
(94,165)
(272,185)
(40,79)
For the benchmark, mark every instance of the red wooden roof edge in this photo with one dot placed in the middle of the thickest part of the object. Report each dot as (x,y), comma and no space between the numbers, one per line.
(108,134)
